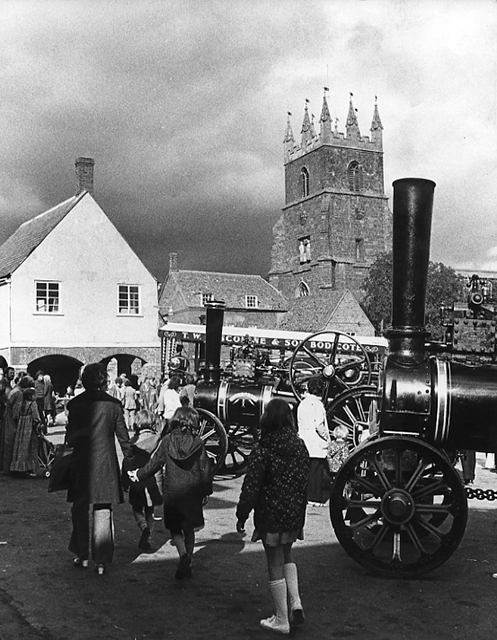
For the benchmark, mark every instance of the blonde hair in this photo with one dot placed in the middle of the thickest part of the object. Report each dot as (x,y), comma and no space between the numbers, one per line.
(144,419)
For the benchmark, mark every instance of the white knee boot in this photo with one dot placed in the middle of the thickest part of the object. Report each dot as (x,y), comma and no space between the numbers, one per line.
(279,622)
(292,583)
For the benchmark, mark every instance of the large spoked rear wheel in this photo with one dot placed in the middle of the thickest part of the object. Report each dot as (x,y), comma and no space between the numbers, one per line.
(398,507)
(213,433)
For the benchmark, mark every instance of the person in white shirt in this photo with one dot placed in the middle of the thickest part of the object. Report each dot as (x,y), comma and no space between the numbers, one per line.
(313,429)
(169,401)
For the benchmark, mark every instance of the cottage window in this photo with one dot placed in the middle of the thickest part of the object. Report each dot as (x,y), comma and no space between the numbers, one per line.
(47,297)
(129,299)
(305,182)
(251,302)
(206,297)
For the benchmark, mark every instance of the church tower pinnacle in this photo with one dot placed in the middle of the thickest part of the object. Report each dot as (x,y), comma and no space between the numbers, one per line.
(352,123)
(376,126)
(306,130)
(325,120)
(288,140)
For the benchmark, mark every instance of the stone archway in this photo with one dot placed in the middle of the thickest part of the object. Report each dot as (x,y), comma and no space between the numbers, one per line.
(63,370)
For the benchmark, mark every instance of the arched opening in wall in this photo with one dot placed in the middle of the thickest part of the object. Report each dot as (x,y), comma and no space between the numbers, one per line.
(63,370)
(302,289)
(120,363)
(304,174)
(354,174)
(3,363)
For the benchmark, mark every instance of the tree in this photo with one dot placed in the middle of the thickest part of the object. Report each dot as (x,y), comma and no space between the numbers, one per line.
(444,286)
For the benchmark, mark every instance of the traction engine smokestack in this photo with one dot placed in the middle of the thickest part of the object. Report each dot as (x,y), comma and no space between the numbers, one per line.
(412,212)
(213,335)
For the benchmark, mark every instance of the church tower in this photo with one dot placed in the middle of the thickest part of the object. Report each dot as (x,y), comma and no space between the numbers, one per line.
(336,220)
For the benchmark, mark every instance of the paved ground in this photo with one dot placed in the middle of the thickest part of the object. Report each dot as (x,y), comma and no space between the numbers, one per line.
(42,597)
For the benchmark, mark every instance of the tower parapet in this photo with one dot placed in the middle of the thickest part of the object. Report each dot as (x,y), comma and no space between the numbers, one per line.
(327,135)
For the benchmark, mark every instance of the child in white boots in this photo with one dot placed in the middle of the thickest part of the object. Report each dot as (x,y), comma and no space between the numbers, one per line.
(275,487)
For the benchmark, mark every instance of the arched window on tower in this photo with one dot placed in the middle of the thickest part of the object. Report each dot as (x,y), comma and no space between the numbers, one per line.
(354,174)
(302,289)
(305,182)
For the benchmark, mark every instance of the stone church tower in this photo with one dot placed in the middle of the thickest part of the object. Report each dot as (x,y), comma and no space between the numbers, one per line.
(336,220)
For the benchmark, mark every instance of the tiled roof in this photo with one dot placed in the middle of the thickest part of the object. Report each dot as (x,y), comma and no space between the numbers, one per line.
(311,313)
(230,287)
(30,234)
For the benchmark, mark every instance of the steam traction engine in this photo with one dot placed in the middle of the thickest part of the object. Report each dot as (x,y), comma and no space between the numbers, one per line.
(232,400)
(398,506)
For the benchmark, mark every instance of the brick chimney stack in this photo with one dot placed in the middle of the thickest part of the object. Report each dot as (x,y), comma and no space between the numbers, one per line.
(173,262)
(84,174)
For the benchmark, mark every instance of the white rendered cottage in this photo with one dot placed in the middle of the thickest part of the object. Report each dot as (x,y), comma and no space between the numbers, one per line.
(73,291)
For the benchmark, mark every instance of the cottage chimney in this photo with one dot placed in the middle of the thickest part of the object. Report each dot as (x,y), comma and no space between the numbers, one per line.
(173,262)
(84,174)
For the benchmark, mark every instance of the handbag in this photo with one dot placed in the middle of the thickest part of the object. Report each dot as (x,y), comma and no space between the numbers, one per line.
(338,452)
(61,471)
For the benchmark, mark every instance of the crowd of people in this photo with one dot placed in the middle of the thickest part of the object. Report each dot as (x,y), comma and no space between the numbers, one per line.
(165,463)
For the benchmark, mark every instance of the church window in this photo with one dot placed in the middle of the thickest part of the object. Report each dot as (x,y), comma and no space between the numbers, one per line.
(305,250)
(251,302)
(305,182)
(359,249)
(302,289)
(354,174)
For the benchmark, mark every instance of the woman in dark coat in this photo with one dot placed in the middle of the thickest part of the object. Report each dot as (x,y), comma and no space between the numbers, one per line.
(11,421)
(94,418)
(275,487)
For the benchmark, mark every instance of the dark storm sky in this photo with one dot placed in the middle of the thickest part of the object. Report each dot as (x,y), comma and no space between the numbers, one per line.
(183,107)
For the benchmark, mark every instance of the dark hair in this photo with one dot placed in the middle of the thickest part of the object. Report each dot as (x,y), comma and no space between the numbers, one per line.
(26,382)
(28,394)
(39,373)
(185,418)
(7,369)
(94,376)
(277,415)
(189,379)
(174,382)
(315,386)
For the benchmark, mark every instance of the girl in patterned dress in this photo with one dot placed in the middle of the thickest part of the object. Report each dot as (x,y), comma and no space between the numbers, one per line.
(275,487)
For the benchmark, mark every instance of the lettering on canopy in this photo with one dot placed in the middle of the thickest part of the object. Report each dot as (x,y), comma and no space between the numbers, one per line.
(275,343)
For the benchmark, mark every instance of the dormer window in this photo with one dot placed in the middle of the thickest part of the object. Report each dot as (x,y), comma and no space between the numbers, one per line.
(206,297)
(302,289)
(354,174)
(304,174)
(251,302)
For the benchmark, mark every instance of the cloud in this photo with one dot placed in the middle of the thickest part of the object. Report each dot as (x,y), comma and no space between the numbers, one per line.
(182,105)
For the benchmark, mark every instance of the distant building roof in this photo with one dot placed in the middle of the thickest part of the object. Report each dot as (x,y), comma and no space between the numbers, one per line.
(230,287)
(311,313)
(31,234)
